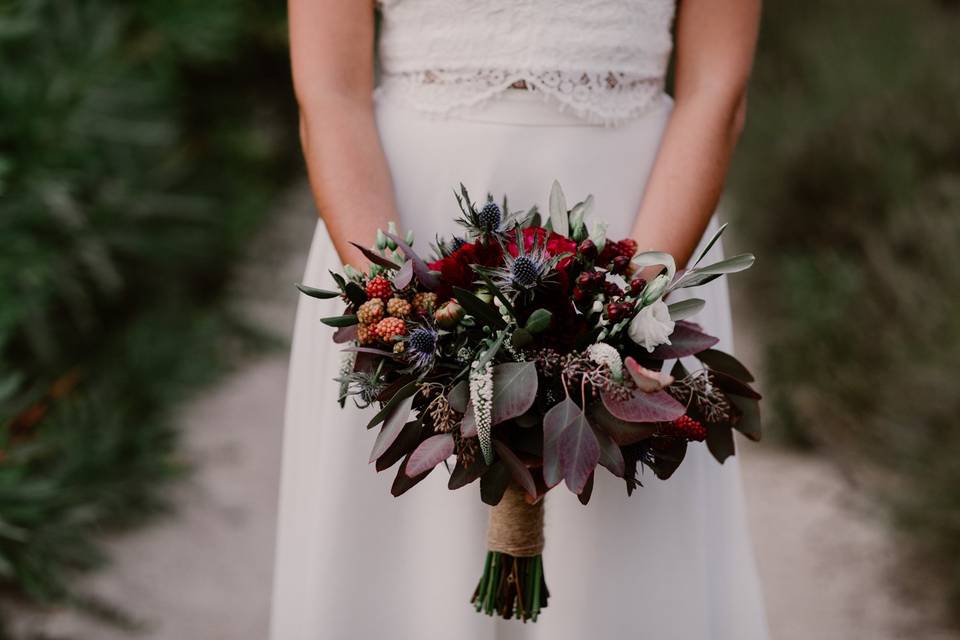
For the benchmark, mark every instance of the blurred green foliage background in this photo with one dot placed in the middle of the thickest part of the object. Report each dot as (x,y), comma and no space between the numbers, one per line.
(140,144)
(847,185)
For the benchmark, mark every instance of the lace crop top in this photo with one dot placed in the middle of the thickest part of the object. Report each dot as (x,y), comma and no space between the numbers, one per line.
(604,60)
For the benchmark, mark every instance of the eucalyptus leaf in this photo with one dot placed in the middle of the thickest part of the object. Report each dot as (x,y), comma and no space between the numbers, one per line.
(404,275)
(402,394)
(610,455)
(725,363)
(403,483)
(653,258)
(518,471)
(458,396)
(555,421)
(686,340)
(391,428)
(493,483)
(375,257)
(340,321)
(514,390)
(748,423)
(428,278)
(685,308)
(429,454)
(322,294)
(538,321)
(709,245)
(579,453)
(657,406)
(404,444)
(483,312)
(621,431)
(558,210)
(720,441)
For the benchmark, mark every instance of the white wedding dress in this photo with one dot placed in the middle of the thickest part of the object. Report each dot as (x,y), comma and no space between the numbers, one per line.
(672,562)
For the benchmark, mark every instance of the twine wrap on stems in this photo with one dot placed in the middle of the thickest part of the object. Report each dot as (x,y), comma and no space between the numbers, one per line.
(513,584)
(516,527)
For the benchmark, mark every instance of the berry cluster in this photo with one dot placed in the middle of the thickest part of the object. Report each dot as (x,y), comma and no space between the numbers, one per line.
(381,321)
(688,428)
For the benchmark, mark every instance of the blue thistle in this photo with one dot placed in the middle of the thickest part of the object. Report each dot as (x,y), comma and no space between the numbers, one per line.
(422,346)
(525,271)
(490,217)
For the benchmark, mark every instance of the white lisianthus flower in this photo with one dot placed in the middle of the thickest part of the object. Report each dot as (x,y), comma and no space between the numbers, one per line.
(651,326)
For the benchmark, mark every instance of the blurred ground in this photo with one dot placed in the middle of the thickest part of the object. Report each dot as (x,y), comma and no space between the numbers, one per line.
(204,573)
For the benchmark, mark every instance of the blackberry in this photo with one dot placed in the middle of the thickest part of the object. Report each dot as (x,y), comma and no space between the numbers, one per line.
(489,217)
(524,271)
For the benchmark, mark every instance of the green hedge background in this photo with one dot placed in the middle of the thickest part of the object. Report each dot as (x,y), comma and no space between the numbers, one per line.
(141,145)
(847,184)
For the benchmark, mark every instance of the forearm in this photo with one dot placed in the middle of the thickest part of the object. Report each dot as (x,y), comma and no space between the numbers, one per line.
(689,172)
(348,172)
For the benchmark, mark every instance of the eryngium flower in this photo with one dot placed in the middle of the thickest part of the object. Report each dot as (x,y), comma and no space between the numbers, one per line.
(421,347)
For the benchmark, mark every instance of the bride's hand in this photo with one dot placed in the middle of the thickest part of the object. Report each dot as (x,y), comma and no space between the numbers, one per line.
(715,43)
(331,45)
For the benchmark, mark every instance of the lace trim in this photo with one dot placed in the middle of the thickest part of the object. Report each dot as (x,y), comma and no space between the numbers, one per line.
(608,97)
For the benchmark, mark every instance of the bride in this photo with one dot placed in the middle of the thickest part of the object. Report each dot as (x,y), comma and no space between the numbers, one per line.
(506,96)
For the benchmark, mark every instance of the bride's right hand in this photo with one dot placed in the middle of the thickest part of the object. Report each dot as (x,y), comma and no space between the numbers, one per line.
(331,49)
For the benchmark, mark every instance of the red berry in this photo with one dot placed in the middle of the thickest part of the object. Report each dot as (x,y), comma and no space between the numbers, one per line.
(587,249)
(390,328)
(379,287)
(627,247)
(620,264)
(637,285)
(615,312)
(579,295)
(612,290)
(687,427)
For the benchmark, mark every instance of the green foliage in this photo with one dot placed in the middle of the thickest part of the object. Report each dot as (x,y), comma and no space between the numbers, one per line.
(139,145)
(848,183)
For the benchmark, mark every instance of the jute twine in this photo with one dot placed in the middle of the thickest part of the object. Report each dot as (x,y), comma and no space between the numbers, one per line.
(516,527)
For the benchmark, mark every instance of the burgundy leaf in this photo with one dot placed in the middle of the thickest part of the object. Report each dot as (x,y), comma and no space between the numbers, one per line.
(430,453)
(428,278)
(391,428)
(720,441)
(402,483)
(579,453)
(658,406)
(666,461)
(721,361)
(686,340)
(458,396)
(462,475)
(521,475)
(622,432)
(748,422)
(584,496)
(396,397)
(732,385)
(556,420)
(404,444)
(493,483)
(345,334)
(404,275)
(376,258)
(610,455)
(514,389)
(468,424)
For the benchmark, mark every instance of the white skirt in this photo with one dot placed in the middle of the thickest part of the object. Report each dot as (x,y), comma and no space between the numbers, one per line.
(673,561)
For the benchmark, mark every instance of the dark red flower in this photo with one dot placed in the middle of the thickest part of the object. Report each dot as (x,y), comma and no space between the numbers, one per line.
(456,270)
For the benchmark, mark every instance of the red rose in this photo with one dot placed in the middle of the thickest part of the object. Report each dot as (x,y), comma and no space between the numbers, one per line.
(455,269)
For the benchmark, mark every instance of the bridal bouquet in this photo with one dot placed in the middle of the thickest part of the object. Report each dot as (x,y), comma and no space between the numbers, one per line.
(527,353)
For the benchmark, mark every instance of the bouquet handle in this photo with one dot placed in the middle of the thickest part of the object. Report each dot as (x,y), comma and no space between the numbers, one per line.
(513,583)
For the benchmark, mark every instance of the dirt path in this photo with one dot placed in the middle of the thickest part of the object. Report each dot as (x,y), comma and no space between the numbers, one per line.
(204,573)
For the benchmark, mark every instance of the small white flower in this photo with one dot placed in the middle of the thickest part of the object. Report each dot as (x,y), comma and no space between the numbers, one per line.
(481,397)
(603,353)
(651,326)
